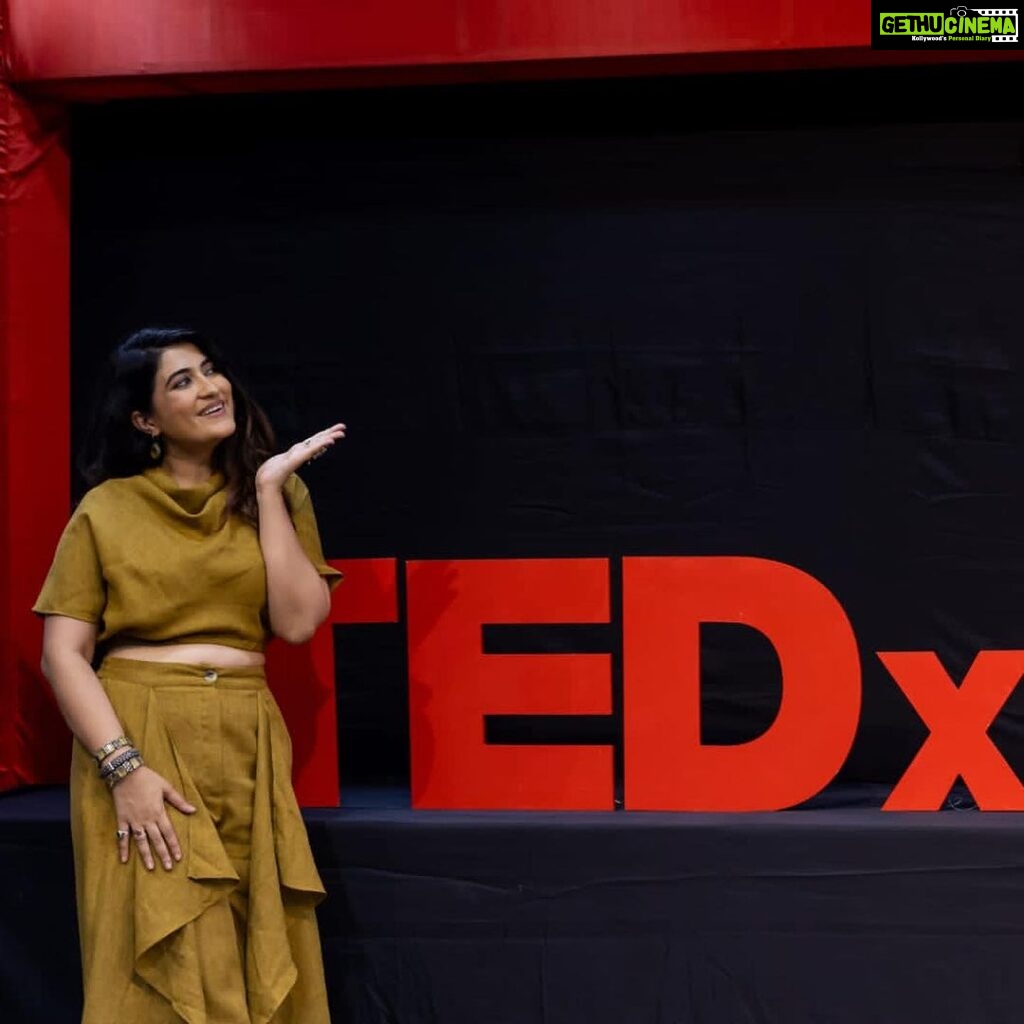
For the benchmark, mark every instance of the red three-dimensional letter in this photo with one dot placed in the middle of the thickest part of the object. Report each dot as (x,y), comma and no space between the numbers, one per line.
(453,684)
(667,767)
(302,676)
(959,719)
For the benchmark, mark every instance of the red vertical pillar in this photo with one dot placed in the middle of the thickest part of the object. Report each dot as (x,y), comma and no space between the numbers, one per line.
(34,420)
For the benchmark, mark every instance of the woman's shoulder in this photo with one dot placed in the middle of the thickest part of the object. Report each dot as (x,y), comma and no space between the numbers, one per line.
(109,494)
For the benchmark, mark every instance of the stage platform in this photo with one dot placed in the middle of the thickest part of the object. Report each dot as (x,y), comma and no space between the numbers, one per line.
(829,915)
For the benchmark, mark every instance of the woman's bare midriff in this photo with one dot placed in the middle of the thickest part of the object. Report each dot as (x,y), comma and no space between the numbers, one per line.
(189,654)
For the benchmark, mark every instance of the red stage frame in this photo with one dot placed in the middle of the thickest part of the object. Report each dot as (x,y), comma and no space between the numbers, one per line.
(56,52)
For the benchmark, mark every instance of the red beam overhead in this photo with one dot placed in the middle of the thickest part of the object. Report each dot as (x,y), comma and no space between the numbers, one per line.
(119,46)
(69,39)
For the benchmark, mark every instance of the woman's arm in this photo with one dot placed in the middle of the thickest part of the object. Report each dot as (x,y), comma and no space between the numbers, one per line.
(298,599)
(68,646)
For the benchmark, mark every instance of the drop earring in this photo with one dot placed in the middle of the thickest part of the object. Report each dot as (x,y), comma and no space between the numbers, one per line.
(156,449)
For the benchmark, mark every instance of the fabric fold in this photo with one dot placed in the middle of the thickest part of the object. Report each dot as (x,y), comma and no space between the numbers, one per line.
(166,903)
(277,865)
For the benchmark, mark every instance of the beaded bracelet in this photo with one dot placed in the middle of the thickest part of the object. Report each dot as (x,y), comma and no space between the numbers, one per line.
(109,748)
(119,774)
(115,762)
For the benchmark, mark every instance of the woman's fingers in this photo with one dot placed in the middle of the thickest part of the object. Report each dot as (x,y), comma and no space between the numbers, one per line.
(156,837)
(142,842)
(170,837)
(276,469)
(175,799)
(123,836)
(338,430)
(141,803)
(323,439)
(159,847)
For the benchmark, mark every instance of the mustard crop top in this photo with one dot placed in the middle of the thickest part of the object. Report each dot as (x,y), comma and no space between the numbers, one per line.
(148,560)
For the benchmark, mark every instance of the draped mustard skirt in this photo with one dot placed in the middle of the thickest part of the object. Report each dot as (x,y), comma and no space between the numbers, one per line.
(229,934)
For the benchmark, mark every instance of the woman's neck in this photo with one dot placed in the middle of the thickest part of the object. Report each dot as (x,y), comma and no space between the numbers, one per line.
(188,471)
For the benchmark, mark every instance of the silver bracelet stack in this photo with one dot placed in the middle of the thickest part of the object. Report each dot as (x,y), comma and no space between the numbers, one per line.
(122,772)
(120,767)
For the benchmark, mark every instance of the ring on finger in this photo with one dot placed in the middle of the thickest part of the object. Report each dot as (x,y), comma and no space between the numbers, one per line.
(122,834)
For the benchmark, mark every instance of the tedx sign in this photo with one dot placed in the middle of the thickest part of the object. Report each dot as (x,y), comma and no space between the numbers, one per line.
(455,687)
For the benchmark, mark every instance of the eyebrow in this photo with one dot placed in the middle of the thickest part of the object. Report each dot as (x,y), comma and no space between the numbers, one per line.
(185,369)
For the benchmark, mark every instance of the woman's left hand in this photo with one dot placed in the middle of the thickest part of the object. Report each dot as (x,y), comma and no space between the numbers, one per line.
(278,468)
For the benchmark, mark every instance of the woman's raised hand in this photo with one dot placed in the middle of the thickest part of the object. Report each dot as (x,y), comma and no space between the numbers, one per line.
(278,468)
(140,803)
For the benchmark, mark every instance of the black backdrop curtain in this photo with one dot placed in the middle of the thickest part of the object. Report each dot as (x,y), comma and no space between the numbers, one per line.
(772,315)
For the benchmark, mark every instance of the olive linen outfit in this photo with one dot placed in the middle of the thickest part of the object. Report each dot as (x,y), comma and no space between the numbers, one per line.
(229,935)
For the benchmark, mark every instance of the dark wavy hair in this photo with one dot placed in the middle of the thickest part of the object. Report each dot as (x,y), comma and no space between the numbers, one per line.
(115,448)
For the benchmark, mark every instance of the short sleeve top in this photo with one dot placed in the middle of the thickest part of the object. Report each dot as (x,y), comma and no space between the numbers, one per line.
(148,560)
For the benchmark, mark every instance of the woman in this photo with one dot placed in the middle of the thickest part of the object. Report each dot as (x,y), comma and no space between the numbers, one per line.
(193,546)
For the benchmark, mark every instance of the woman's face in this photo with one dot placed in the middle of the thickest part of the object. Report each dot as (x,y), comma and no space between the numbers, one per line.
(192,403)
